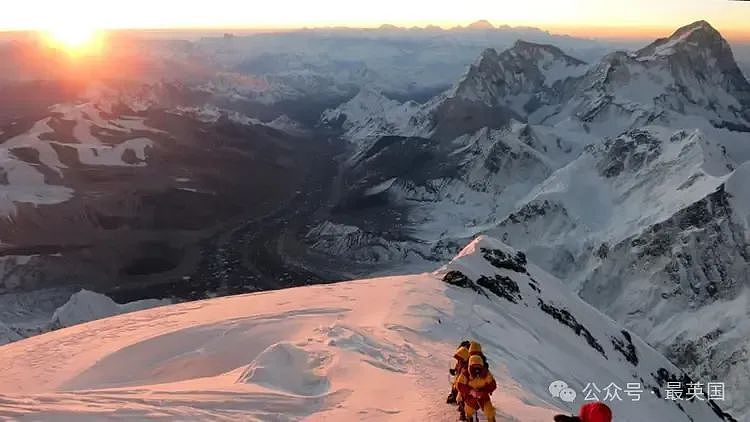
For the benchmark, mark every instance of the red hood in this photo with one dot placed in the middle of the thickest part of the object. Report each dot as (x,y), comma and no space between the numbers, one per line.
(595,412)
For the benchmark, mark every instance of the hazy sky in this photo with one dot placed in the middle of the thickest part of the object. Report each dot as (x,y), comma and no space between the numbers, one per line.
(577,16)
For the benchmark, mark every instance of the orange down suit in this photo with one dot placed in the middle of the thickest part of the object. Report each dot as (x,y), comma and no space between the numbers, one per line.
(476,391)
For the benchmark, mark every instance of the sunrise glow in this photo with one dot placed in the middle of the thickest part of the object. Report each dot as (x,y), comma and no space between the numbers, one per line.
(579,16)
(75,40)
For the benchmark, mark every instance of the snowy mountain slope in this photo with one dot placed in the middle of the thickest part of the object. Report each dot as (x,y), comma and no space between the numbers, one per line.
(209,113)
(682,284)
(663,240)
(693,73)
(367,350)
(439,190)
(713,63)
(28,314)
(462,175)
(369,115)
(523,77)
(493,268)
(358,244)
(483,175)
(613,190)
(288,125)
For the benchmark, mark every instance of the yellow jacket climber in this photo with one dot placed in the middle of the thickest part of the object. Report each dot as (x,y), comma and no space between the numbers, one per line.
(475,387)
(462,360)
(462,365)
(475,349)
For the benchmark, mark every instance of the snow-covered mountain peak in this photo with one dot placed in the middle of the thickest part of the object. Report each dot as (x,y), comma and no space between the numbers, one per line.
(637,179)
(699,35)
(485,255)
(538,51)
(692,73)
(370,115)
(481,25)
(526,68)
(366,101)
(696,55)
(495,89)
(481,81)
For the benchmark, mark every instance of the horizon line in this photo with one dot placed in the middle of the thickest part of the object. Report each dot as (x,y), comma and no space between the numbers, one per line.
(573,30)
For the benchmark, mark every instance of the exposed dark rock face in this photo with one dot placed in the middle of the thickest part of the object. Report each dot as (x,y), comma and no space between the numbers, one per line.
(480,99)
(458,116)
(603,251)
(458,279)
(502,286)
(531,211)
(696,258)
(628,152)
(626,347)
(707,227)
(535,287)
(567,319)
(503,261)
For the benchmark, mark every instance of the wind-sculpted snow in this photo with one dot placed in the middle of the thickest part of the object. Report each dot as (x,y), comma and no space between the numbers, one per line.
(334,352)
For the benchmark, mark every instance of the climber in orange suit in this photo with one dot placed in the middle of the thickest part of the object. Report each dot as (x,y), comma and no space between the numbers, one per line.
(475,388)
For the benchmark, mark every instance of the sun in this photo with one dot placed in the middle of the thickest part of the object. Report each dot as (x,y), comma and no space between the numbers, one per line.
(76,40)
